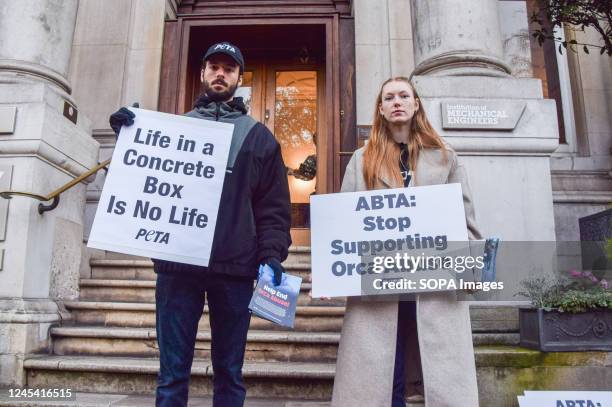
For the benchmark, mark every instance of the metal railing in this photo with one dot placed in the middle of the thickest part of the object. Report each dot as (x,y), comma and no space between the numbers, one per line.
(55,195)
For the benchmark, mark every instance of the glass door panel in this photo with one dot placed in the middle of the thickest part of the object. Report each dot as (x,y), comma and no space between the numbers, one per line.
(294,125)
(251,90)
(245,91)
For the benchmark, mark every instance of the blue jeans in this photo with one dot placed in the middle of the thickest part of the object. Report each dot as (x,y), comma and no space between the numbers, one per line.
(179,299)
(407,348)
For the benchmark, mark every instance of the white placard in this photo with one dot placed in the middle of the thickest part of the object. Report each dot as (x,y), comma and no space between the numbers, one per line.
(161,195)
(343,218)
(565,399)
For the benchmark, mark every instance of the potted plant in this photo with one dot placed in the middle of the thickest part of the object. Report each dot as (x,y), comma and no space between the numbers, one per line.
(572,314)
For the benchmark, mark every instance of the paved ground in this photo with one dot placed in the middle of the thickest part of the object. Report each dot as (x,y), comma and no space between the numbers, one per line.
(118,400)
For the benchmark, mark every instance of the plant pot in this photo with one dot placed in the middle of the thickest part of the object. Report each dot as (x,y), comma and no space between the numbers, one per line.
(554,331)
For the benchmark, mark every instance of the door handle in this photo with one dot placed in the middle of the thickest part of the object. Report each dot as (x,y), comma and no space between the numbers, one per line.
(267,116)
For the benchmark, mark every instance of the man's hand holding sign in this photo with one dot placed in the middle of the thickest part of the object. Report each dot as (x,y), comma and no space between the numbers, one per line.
(162,192)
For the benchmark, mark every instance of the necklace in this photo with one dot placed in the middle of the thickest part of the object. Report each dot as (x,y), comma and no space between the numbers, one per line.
(404,170)
(402,160)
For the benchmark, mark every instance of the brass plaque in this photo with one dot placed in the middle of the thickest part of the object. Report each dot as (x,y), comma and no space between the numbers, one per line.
(70,112)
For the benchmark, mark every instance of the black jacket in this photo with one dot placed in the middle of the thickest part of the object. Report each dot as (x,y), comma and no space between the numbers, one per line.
(255,211)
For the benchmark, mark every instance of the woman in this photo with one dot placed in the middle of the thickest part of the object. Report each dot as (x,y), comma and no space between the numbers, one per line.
(405,150)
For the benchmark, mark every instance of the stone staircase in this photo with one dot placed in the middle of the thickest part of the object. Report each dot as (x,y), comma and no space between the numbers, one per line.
(109,345)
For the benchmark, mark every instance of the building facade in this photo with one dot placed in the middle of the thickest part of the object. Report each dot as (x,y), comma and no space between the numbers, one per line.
(313,69)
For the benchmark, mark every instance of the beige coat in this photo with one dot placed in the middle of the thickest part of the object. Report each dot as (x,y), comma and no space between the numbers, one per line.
(366,357)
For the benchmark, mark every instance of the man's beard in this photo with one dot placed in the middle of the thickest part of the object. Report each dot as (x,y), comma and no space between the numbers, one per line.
(216,96)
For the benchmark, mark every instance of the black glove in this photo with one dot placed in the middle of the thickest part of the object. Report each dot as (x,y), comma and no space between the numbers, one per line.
(122,117)
(276,266)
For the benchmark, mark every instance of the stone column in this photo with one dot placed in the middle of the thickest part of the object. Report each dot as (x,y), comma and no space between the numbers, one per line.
(457,37)
(44,143)
(36,39)
(460,76)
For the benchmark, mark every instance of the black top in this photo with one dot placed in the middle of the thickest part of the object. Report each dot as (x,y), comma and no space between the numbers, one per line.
(404,164)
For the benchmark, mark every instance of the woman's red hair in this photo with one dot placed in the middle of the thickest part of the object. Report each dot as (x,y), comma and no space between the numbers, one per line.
(382,154)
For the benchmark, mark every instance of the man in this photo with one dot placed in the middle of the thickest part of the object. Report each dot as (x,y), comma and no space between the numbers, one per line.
(252,228)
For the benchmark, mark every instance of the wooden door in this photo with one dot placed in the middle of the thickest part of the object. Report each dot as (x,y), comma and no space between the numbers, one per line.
(291,39)
(287,98)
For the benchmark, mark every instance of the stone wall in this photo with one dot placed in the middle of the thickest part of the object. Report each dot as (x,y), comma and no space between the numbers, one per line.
(116,61)
(582,175)
(116,56)
(580,170)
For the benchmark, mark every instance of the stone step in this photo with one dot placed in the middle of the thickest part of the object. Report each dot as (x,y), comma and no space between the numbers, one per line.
(484,318)
(299,254)
(117,290)
(119,269)
(131,314)
(503,373)
(262,346)
(312,381)
(295,253)
(144,291)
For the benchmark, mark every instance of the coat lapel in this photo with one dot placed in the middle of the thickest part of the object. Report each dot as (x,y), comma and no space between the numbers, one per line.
(386,182)
(431,170)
